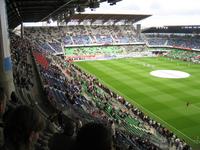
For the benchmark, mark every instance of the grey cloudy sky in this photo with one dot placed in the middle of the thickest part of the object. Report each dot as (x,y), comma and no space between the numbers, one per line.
(164,12)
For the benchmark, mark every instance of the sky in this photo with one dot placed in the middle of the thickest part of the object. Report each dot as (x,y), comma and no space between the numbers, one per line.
(164,12)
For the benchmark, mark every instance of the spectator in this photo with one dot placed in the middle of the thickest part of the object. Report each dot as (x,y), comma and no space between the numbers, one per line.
(60,118)
(65,140)
(2,110)
(22,129)
(94,136)
(2,101)
(14,98)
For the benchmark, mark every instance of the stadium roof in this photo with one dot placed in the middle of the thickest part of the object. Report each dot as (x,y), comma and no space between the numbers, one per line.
(189,29)
(106,17)
(38,10)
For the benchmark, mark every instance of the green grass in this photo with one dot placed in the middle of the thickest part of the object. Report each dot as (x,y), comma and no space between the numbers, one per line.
(162,99)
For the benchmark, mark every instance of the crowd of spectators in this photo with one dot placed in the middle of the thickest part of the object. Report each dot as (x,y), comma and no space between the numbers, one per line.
(52,38)
(183,41)
(75,87)
(185,55)
(171,138)
(56,46)
(21,125)
(67,86)
(72,88)
(22,69)
(81,35)
(157,41)
(93,51)
(106,52)
(90,82)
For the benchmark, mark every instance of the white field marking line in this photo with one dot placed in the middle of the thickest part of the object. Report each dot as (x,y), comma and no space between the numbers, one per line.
(157,117)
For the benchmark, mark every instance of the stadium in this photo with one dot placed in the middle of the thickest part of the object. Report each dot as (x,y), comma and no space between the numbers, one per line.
(96,81)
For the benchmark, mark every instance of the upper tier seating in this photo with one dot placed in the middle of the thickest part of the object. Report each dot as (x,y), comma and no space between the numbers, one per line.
(174,40)
(51,38)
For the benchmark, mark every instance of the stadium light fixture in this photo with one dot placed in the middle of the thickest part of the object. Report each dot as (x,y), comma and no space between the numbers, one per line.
(94,4)
(113,2)
(71,12)
(80,9)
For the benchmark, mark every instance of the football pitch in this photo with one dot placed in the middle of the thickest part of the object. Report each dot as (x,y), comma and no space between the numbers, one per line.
(164,99)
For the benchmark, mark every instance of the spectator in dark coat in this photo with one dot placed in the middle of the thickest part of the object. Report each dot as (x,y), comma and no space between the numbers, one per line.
(94,136)
(22,129)
(65,140)
(14,98)
(2,110)
(2,101)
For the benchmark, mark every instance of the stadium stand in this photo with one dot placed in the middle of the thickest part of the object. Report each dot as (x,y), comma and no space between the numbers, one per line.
(175,36)
(185,55)
(84,105)
(79,95)
(79,102)
(174,40)
(81,35)
(59,90)
(106,52)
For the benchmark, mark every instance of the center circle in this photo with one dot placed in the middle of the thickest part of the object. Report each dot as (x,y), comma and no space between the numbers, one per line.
(172,74)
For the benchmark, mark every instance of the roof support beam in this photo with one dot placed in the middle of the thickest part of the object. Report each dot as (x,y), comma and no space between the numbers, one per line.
(61,7)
